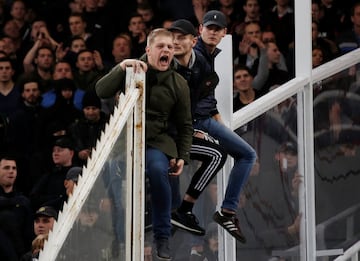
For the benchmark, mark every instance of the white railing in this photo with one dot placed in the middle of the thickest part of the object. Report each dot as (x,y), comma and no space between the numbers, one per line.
(129,116)
(352,254)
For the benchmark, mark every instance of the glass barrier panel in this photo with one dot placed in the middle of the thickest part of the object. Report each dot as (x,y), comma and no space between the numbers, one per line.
(99,230)
(337,157)
(269,203)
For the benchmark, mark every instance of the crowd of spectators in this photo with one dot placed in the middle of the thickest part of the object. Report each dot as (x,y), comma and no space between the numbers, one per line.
(53,52)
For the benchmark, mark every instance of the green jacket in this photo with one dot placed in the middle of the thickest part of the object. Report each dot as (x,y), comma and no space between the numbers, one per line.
(167,109)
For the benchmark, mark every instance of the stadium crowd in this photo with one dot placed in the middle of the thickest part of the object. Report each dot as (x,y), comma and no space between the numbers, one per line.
(53,52)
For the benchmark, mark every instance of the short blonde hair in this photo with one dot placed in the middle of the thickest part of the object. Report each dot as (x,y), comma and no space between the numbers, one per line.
(158,32)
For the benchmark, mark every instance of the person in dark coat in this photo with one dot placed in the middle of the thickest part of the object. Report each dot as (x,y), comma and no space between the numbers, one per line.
(15,214)
(28,145)
(50,189)
(87,130)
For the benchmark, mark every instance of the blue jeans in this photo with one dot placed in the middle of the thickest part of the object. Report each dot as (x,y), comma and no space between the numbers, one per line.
(157,164)
(244,158)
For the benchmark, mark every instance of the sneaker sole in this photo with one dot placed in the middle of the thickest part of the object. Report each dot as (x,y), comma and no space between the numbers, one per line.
(220,223)
(191,230)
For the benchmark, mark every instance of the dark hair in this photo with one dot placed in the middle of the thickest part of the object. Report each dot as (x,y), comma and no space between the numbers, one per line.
(125,36)
(44,47)
(8,59)
(242,67)
(83,51)
(133,15)
(77,15)
(76,37)
(7,156)
(145,6)
(26,79)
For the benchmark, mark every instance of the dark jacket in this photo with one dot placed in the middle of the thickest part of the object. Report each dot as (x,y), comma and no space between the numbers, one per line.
(85,133)
(50,189)
(210,78)
(28,145)
(167,103)
(202,82)
(16,224)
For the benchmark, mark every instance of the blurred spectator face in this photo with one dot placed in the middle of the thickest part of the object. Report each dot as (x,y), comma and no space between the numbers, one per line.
(6,71)
(212,34)
(167,24)
(282,2)
(92,113)
(62,70)
(226,3)
(314,31)
(102,3)
(43,225)
(327,2)
(77,45)
(317,57)
(121,48)
(62,156)
(315,12)
(251,8)
(91,5)
(67,93)
(273,53)
(88,217)
(203,3)
(2,46)
(136,25)
(183,44)
(18,10)
(76,6)
(9,46)
(77,26)
(147,14)
(253,30)
(242,80)
(8,172)
(31,93)
(35,28)
(267,37)
(11,29)
(85,62)
(355,18)
(44,59)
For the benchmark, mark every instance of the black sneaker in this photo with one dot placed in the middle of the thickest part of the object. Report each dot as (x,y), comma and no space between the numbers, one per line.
(162,249)
(230,224)
(188,222)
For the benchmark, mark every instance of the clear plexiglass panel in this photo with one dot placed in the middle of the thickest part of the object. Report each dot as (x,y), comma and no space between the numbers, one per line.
(99,230)
(269,205)
(337,168)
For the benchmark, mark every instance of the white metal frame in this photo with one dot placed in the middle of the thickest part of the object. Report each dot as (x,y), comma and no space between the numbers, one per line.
(71,209)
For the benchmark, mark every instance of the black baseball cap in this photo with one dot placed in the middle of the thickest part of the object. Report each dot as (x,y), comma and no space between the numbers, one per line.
(214,17)
(64,142)
(46,211)
(184,26)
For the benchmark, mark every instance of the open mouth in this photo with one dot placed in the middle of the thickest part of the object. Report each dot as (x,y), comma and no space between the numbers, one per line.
(164,60)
